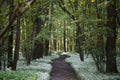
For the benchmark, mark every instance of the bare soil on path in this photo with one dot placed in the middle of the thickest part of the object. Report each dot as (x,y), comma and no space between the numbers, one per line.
(62,70)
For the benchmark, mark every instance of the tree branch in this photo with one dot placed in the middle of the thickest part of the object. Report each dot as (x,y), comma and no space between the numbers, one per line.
(26,7)
(61,5)
(14,16)
(71,5)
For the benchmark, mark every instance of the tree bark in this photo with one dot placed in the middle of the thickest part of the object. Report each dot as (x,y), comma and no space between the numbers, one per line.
(17,44)
(79,40)
(10,37)
(64,37)
(111,66)
(38,45)
(0,53)
(10,48)
(38,50)
(0,62)
(46,49)
(54,44)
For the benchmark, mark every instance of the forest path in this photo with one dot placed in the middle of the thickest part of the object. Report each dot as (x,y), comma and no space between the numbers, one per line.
(62,70)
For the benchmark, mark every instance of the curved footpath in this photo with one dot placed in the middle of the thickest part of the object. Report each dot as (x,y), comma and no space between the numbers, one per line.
(62,70)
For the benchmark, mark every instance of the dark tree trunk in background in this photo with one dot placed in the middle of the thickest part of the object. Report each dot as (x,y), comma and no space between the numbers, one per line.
(38,45)
(10,37)
(64,34)
(17,44)
(10,48)
(46,47)
(79,35)
(38,50)
(111,66)
(54,44)
(79,40)
(0,62)
(0,53)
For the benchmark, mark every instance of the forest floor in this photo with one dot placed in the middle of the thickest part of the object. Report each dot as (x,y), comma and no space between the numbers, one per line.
(86,70)
(62,70)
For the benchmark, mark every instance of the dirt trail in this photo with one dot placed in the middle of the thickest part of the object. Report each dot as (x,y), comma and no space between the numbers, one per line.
(62,70)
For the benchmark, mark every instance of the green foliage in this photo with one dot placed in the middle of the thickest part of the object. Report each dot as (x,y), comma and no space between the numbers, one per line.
(17,75)
(44,34)
(3,16)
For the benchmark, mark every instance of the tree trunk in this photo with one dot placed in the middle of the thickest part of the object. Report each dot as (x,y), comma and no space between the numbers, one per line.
(0,62)
(0,54)
(17,43)
(46,47)
(38,45)
(64,34)
(10,37)
(10,48)
(54,44)
(38,50)
(111,66)
(79,41)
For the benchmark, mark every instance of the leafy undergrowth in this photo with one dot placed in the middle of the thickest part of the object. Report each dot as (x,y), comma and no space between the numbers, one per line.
(17,75)
(87,71)
(38,70)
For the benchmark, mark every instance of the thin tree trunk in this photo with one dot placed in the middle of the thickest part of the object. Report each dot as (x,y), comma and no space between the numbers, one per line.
(0,62)
(0,55)
(79,38)
(54,44)
(46,47)
(64,37)
(17,44)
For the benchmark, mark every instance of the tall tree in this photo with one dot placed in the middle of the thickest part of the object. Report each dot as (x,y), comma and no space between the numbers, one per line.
(38,45)
(64,34)
(17,45)
(79,36)
(10,36)
(0,54)
(100,53)
(111,66)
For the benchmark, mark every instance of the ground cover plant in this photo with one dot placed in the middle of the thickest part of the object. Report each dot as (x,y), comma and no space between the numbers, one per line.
(39,69)
(87,70)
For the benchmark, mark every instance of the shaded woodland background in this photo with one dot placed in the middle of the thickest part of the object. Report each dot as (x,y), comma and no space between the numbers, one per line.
(36,28)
